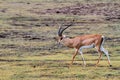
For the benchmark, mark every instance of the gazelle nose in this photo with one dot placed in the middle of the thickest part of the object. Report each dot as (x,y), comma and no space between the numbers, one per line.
(58,43)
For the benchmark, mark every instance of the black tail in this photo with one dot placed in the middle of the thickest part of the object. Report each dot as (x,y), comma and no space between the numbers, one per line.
(102,40)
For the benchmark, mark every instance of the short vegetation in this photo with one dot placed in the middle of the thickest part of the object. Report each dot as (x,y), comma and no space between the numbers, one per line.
(28,50)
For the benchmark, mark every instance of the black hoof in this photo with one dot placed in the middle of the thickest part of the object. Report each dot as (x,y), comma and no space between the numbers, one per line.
(34,66)
(110,65)
(68,67)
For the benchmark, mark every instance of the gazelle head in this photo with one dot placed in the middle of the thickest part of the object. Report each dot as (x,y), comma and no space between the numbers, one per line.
(60,31)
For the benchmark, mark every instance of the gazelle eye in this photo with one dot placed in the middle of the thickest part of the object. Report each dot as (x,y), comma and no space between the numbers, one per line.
(61,38)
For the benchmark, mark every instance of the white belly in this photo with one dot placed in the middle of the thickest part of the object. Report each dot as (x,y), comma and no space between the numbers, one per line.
(88,46)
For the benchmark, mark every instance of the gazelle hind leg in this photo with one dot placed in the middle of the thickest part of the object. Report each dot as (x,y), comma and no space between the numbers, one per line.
(106,53)
(100,54)
(99,57)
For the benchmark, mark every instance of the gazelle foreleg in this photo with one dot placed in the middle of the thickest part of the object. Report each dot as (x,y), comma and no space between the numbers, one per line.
(80,51)
(76,51)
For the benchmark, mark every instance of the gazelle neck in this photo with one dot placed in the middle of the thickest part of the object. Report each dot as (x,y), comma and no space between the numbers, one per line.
(66,41)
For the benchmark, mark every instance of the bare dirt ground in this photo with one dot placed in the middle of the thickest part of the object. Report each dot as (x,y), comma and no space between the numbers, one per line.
(107,11)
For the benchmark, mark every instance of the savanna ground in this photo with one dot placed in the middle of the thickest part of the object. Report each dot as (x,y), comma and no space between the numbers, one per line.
(28,50)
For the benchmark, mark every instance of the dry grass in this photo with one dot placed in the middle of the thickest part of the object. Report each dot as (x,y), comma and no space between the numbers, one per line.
(28,50)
